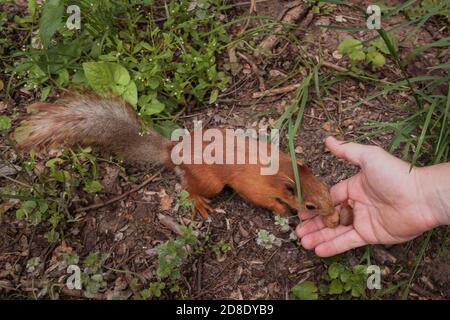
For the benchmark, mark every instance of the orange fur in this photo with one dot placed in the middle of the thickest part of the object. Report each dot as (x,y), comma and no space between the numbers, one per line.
(114,127)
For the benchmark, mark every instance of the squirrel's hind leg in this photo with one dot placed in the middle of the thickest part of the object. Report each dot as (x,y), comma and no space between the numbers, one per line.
(201,204)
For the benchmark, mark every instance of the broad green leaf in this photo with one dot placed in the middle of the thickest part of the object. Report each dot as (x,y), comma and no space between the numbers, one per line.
(305,291)
(93,186)
(165,128)
(52,236)
(376,58)
(345,275)
(25,209)
(334,270)
(79,77)
(5,122)
(359,269)
(336,287)
(381,45)
(130,94)
(98,74)
(52,13)
(45,92)
(350,45)
(32,7)
(357,55)
(153,107)
(120,74)
(63,77)
(214,95)
(153,83)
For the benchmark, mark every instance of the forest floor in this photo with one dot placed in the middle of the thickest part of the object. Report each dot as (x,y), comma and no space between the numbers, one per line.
(232,265)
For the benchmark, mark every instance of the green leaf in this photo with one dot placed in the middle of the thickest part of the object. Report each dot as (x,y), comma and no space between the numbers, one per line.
(98,74)
(153,107)
(214,95)
(45,92)
(120,74)
(32,7)
(376,58)
(5,122)
(360,269)
(334,270)
(345,275)
(26,209)
(350,45)
(306,290)
(63,77)
(165,128)
(357,55)
(52,13)
(52,236)
(336,287)
(103,76)
(130,94)
(93,186)
(381,45)
(153,83)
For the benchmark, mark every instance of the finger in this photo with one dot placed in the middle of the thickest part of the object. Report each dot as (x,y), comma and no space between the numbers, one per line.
(339,192)
(309,226)
(349,240)
(352,152)
(314,239)
(305,215)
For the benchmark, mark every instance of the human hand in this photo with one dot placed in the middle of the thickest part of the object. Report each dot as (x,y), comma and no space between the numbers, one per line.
(391,203)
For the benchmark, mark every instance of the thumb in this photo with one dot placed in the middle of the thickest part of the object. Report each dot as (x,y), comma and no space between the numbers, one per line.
(352,152)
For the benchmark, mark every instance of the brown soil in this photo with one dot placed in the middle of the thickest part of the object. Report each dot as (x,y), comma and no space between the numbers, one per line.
(128,230)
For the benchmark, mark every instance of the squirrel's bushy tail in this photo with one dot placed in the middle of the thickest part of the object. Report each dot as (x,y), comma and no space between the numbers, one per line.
(88,119)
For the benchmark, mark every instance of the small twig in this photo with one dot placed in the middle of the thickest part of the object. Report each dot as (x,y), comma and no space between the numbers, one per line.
(120,197)
(199,275)
(276,91)
(292,87)
(271,256)
(30,243)
(15,181)
(291,16)
(262,85)
(333,66)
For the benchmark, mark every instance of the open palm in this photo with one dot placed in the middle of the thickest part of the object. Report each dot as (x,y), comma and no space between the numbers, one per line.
(389,205)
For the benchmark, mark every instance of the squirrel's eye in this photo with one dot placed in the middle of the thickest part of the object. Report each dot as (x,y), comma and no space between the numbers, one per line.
(290,189)
(310,206)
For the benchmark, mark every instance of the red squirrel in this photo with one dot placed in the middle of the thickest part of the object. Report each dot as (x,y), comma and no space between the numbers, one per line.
(114,127)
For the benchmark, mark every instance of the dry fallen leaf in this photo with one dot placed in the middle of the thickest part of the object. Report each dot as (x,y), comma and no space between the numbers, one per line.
(110,178)
(298,149)
(337,55)
(236,295)
(340,18)
(165,201)
(327,126)
(277,73)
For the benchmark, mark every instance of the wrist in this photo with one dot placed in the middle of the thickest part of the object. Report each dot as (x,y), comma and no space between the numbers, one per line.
(434,182)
